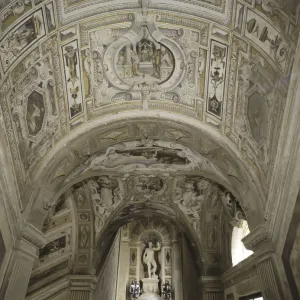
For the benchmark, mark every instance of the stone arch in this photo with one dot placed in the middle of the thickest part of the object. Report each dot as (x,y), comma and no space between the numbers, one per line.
(58,162)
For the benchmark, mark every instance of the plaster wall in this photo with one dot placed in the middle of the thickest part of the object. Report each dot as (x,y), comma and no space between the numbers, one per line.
(107,283)
(190,286)
(123,271)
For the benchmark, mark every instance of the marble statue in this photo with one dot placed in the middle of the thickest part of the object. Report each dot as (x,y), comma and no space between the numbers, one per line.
(135,290)
(149,260)
(166,290)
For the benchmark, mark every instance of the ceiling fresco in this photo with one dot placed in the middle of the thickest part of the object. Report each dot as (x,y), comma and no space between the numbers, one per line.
(114,109)
(55,81)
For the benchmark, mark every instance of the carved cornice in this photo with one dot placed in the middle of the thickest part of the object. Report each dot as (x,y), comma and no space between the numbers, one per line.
(242,271)
(83,282)
(33,235)
(211,283)
(258,236)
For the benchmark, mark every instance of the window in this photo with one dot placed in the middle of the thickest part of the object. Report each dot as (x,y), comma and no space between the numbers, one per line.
(257,296)
(238,250)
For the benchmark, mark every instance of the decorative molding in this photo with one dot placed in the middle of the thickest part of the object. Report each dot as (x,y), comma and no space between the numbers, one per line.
(82,282)
(258,236)
(242,271)
(50,290)
(33,235)
(211,284)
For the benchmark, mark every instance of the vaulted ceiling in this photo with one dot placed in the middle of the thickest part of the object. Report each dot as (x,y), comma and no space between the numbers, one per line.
(169,91)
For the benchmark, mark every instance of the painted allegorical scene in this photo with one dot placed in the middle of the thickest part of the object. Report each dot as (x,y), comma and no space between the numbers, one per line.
(147,184)
(73,78)
(145,60)
(22,37)
(35,113)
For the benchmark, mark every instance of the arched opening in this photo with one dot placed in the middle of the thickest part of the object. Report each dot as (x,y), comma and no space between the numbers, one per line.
(238,250)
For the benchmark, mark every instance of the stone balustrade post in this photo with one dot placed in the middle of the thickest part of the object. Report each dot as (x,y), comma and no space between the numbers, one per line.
(259,241)
(24,253)
(82,287)
(211,287)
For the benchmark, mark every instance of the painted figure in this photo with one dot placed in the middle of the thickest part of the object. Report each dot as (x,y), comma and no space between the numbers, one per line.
(149,260)
(71,63)
(134,290)
(165,59)
(157,63)
(135,62)
(33,118)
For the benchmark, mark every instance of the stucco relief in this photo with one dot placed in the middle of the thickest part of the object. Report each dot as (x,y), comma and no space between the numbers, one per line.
(267,38)
(34,112)
(145,61)
(12,12)
(19,39)
(189,195)
(147,154)
(106,194)
(143,54)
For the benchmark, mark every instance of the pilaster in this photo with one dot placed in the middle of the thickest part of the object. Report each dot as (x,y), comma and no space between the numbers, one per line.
(260,242)
(22,258)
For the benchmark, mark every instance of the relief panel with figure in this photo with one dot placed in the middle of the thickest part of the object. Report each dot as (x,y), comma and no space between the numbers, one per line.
(189,195)
(21,38)
(35,113)
(145,60)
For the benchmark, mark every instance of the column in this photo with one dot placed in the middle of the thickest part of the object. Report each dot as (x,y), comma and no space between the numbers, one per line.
(82,287)
(259,241)
(177,291)
(24,253)
(212,288)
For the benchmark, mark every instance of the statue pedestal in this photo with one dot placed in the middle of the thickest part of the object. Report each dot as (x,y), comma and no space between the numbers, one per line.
(150,296)
(150,285)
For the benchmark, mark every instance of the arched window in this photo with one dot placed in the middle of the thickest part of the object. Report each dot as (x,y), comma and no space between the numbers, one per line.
(238,250)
